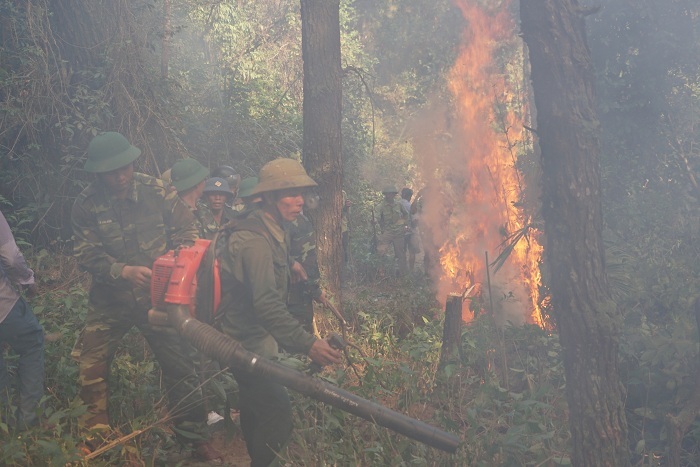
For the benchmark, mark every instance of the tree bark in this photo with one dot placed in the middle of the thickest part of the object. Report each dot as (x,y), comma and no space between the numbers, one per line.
(587,319)
(322,157)
(451,350)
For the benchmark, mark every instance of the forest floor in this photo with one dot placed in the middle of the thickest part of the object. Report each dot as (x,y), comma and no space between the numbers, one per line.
(231,447)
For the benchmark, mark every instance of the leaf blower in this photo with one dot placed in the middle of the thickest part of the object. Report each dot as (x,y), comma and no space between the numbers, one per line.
(176,302)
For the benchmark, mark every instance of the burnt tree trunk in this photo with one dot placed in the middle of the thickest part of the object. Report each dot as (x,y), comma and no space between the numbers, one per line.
(451,350)
(586,318)
(320,38)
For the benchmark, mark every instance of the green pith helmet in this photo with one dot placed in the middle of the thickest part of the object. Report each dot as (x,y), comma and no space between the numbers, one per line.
(246,186)
(187,173)
(389,189)
(281,174)
(110,151)
(217,185)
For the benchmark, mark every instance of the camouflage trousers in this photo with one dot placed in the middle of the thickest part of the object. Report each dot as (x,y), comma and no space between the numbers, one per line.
(398,242)
(110,316)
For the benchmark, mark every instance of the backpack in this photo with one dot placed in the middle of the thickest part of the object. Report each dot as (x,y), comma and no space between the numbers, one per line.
(190,275)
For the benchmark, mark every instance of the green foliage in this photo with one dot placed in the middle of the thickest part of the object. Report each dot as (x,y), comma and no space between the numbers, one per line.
(658,361)
(505,399)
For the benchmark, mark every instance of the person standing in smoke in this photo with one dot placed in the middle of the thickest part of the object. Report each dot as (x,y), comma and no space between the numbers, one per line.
(412,244)
(393,221)
(233,179)
(217,196)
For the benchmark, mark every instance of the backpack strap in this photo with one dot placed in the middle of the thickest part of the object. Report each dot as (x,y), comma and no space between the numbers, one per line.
(205,278)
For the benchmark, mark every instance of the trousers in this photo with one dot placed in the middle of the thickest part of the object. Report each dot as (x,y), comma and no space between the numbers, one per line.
(266,417)
(110,317)
(21,330)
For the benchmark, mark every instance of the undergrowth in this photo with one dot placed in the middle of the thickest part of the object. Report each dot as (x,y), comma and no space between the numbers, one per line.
(504,397)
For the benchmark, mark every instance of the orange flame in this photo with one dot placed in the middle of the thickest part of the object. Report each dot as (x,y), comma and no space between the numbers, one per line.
(475,194)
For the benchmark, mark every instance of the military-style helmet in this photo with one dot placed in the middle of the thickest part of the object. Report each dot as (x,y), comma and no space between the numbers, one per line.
(229,173)
(388,189)
(187,173)
(246,186)
(217,185)
(281,174)
(110,151)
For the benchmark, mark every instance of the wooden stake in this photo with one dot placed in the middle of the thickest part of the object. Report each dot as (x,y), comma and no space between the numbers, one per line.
(451,351)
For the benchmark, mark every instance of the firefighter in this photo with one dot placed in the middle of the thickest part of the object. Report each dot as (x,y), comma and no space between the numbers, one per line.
(246,202)
(233,179)
(188,177)
(255,272)
(218,198)
(393,223)
(122,222)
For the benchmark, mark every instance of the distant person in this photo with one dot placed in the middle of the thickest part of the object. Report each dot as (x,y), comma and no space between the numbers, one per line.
(19,329)
(218,197)
(233,179)
(393,222)
(188,177)
(247,200)
(412,244)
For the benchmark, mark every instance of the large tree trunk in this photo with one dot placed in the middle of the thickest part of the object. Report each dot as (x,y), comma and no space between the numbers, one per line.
(585,315)
(320,37)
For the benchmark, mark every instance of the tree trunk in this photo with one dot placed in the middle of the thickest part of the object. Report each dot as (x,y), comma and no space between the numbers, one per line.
(320,38)
(587,319)
(451,350)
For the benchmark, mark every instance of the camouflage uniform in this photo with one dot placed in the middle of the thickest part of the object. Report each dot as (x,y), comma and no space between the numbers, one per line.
(255,274)
(302,248)
(206,224)
(109,234)
(393,219)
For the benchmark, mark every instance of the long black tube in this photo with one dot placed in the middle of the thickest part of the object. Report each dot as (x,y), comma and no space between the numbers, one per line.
(217,345)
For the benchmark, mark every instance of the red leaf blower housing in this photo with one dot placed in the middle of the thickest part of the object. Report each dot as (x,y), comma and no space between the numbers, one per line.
(175,274)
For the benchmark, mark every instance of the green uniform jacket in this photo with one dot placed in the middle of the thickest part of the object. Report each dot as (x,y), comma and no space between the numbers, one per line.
(110,233)
(254,282)
(206,224)
(393,218)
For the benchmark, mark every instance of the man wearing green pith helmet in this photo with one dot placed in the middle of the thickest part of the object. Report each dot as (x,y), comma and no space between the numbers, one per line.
(122,222)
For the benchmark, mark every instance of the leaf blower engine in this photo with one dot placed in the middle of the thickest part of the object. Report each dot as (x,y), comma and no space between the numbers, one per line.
(174,281)
(176,302)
